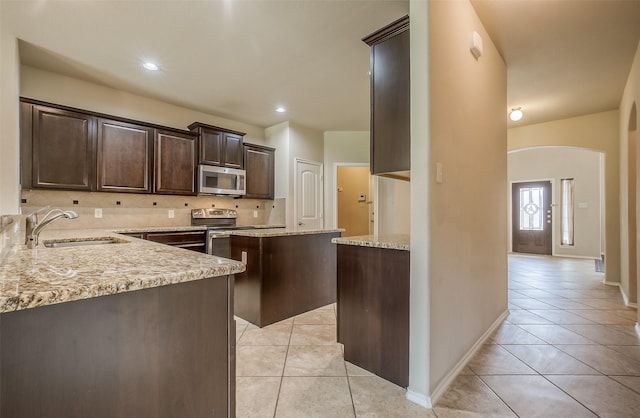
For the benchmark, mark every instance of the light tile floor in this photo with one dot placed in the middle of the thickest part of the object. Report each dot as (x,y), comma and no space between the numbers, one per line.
(569,348)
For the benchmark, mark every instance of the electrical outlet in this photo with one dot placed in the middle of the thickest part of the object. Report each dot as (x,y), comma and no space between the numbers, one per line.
(172,214)
(244,257)
(98,213)
(255,213)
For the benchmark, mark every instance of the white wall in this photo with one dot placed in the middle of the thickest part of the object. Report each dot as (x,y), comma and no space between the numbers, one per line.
(340,147)
(292,141)
(277,136)
(468,235)
(630,96)
(55,88)
(9,131)
(393,206)
(419,298)
(556,163)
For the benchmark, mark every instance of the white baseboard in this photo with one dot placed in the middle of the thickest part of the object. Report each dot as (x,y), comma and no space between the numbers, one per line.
(419,398)
(450,377)
(625,298)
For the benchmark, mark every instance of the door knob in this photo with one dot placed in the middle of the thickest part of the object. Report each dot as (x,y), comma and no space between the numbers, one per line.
(300,223)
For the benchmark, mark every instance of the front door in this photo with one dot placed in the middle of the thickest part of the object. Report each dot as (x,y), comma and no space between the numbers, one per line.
(308,195)
(532,217)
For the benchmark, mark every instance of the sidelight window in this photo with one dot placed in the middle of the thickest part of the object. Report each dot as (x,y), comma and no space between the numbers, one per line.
(531,213)
(566,219)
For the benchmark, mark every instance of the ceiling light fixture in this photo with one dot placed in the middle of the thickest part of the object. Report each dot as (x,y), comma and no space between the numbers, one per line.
(515,114)
(280,109)
(150,66)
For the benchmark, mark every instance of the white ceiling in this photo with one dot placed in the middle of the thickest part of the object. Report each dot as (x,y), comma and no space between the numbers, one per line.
(233,58)
(564,58)
(240,58)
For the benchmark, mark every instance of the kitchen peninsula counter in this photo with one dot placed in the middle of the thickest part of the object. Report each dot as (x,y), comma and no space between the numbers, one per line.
(281,232)
(129,329)
(43,276)
(188,228)
(389,242)
(373,303)
(289,272)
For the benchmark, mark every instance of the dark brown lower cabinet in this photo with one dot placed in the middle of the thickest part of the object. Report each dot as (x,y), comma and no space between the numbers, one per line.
(189,240)
(373,310)
(285,276)
(167,352)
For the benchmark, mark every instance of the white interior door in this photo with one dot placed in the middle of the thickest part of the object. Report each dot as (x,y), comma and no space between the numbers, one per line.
(308,195)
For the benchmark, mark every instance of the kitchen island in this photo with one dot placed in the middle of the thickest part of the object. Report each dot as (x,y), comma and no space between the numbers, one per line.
(373,304)
(127,329)
(289,272)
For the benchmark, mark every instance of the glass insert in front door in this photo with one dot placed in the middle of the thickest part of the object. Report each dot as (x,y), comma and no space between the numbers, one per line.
(531,212)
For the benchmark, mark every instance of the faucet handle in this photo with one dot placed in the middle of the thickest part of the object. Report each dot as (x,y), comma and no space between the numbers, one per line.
(33,215)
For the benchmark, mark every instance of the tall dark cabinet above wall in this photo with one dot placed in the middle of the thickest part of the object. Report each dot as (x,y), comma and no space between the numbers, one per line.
(390,100)
(219,146)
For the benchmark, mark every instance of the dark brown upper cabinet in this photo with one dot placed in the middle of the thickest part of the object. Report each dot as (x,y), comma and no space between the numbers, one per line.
(219,146)
(175,163)
(62,149)
(390,100)
(259,162)
(75,149)
(125,157)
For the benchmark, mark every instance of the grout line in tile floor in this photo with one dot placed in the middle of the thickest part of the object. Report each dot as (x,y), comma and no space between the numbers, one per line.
(570,351)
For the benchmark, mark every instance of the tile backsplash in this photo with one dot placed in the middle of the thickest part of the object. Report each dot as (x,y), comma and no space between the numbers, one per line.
(121,210)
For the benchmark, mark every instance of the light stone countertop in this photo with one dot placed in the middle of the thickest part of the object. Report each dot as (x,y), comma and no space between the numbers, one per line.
(136,230)
(391,242)
(44,276)
(280,232)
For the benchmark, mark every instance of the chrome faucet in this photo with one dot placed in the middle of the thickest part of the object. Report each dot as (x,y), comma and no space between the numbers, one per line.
(31,222)
(33,228)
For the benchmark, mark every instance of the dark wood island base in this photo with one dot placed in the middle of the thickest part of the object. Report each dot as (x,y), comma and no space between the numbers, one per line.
(155,352)
(287,274)
(373,309)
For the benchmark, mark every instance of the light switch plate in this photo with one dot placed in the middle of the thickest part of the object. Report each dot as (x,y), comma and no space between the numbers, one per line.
(172,214)
(98,213)
(255,213)
(439,173)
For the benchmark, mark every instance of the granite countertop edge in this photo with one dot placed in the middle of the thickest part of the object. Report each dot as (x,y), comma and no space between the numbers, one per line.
(390,242)
(275,232)
(43,276)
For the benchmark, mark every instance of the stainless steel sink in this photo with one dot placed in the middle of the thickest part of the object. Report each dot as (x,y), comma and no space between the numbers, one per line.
(82,242)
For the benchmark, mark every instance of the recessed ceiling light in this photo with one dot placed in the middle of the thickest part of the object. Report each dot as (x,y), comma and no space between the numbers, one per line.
(280,109)
(150,66)
(515,114)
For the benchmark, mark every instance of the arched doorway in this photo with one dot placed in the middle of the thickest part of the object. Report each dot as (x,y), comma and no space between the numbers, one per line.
(576,177)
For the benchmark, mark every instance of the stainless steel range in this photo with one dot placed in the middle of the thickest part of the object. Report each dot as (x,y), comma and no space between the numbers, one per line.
(219,223)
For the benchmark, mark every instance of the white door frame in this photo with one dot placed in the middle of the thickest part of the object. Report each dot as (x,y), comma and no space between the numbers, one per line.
(295,189)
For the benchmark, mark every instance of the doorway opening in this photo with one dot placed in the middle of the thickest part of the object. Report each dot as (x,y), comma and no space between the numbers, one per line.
(354,200)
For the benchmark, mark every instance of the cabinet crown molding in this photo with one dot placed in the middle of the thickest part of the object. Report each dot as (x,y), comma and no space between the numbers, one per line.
(388,31)
(196,125)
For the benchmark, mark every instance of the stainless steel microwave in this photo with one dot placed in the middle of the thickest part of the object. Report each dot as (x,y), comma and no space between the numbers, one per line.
(221,180)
